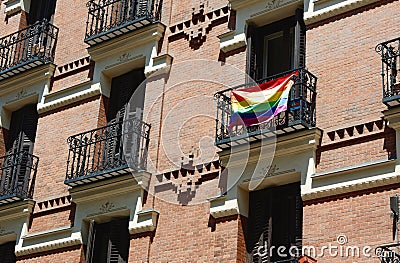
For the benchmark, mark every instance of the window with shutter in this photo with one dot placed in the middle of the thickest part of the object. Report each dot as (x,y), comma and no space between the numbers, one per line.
(276,47)
(41,9)
(122,89)
(108,242)
(7,254)
(23,127)
(19,144)
(275,219)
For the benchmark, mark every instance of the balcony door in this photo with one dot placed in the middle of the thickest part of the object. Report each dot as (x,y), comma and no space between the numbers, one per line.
(275,219)
(108,242)
(19,145)
(277,47)
(123,88)
(41,9)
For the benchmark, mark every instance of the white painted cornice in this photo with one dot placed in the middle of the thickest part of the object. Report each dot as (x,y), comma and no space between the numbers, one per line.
(331,8)
(14,6)
(146,221)
(55,100)
(393,117)
(377,179)
(73,240)
(109,187)
(286,145)
(129,41)
(231,41)
(16,210)
(27,78)
(158,64)
(221,207)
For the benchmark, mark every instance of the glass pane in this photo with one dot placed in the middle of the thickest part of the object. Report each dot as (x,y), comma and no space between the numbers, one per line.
(278,52)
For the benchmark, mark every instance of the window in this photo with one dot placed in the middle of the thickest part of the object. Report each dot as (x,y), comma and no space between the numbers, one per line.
(16,168)
(122,89)
(22,131)
(275,219)
(276,47)
(7,254)
(41,9)
(108,242)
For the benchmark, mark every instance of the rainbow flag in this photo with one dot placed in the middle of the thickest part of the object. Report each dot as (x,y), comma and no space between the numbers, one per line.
(258,104)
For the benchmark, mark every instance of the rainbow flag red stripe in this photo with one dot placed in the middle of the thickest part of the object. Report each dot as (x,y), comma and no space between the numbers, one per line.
(258,104)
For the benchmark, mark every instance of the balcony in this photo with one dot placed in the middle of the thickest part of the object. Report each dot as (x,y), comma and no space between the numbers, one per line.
(108,19)
(17,178)
(389,52)
(27,48)
(300,113)
(99,154)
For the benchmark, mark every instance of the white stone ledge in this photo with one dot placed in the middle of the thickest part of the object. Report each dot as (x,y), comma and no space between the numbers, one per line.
(230,41)
(352,167)
(220,207)
(342,187)
(334,9)
(68,96)
(146,221)
(74,239)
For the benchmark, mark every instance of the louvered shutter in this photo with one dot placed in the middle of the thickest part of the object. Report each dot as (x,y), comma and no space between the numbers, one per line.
(119,241)
(260,227)
(300,41)
(7,254)
(123,87)
(251,54)
(41,9)
(19,145)
(90,241)
(299,222)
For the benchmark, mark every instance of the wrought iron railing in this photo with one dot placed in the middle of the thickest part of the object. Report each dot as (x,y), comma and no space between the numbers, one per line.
(109,15)
(390,55)
(18,174)
(388,253)
(300,112)
(36,42)
(108,149)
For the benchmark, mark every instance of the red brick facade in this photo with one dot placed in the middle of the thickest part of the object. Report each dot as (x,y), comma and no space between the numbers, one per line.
(340,51)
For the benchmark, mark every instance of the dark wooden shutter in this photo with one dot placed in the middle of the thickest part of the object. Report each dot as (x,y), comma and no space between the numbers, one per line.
(7,254)
(260,226)
(41,9)
(299,223)
(119,241)
(109,243)
(23,127)
(251,63)
(19,145)
(90,241)
(300,41)
(122,89)
(275,219)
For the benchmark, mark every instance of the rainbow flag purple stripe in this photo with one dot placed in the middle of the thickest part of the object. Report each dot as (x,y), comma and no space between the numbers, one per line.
(258,104)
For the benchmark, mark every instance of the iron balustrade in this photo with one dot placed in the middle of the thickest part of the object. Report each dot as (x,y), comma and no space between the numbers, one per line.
(390,55)
(110,18)
(17,178)
(26,48)
(300,113)
(388,253)
(103,152)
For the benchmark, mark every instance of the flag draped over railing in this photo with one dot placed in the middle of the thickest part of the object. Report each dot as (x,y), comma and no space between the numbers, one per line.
(259,104)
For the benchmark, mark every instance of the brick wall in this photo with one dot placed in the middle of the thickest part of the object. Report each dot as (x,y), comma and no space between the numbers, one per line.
(341,53)
(51,144)
(363,217)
